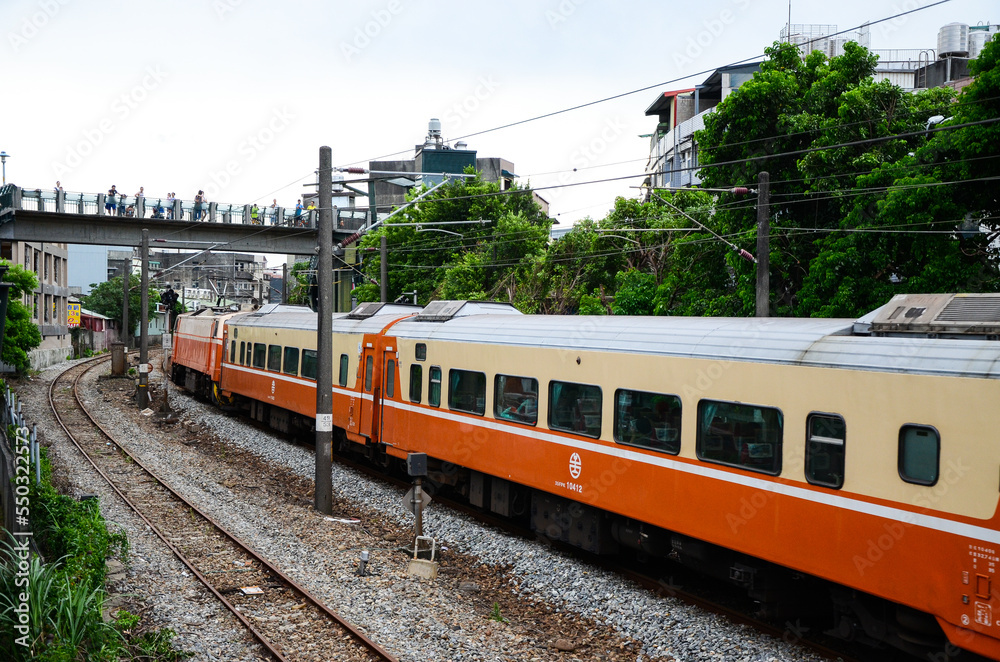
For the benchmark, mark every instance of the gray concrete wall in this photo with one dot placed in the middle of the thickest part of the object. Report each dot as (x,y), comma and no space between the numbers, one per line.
(43,358)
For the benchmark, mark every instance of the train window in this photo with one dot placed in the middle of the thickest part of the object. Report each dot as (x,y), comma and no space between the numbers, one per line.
(575,408)
(919,454)
(416,377)
(369,367)
(648,420)
(232,351)
(242,351)
(825,436)
(740,435)
(236,332)
(309,364)
(390,379)
(467,391)
(434,386)
(343,369)
(515,399)
(274,358)
(291,364)
(259,354)
(421,351)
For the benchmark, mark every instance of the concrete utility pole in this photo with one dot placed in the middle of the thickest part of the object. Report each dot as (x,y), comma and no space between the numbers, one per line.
(763,245)
(126,273)
(143,392)
(324,378)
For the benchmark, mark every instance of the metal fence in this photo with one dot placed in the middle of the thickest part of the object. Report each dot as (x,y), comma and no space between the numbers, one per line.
(19,460)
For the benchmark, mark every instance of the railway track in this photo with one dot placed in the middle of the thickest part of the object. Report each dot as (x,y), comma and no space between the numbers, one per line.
(289,622)
(720,606)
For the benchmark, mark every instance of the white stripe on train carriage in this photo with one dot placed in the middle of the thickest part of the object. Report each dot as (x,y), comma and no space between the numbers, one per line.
(280,376)
(828,499)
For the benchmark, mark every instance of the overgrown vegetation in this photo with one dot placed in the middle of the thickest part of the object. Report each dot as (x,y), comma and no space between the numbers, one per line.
(65,596)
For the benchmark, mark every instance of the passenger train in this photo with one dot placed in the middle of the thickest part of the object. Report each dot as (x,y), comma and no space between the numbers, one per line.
(849,467)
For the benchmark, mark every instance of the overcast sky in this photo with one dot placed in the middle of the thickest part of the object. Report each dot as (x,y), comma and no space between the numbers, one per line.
(236,96)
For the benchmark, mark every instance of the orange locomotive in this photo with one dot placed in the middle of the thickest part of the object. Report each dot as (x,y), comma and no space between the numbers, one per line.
(844,467)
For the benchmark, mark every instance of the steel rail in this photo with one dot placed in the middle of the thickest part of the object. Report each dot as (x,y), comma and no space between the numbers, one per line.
(263,639)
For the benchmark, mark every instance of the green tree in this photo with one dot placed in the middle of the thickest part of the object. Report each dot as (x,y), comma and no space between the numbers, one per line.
(512,227)
(106,298)
(928,220)
(20,334)
(820,127)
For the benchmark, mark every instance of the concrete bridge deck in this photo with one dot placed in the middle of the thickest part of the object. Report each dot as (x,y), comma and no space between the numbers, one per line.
(83,218)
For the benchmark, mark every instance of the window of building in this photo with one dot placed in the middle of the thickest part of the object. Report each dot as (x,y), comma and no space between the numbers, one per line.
(919,454)
(34,307)
(515,399)
(309,364)
(390,378)
(434,386)
(46,306)
(55,269)
(467,391)
(575,408)
(274,358)
(648,420)
(27,258)
(343,369)
(259,354)
(416,377)
(825,448)
(242,353)
(38,258)
(369,368)
(740,435)
(291,363)
(421,351)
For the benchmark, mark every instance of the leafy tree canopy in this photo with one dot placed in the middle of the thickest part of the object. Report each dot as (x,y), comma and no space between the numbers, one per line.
(20,334)
(826,133)
(106,298)
(507,230)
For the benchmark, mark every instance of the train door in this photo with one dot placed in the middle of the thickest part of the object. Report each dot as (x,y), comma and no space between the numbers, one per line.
(213,351)
(389,389)
(370,394)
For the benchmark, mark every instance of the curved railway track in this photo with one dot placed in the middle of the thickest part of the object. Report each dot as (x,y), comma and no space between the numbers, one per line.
(222,562)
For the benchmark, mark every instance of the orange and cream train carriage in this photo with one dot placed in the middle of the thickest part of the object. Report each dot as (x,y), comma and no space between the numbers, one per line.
(845,467)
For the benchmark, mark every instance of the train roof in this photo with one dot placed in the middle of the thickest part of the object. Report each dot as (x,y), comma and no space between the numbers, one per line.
(373,320)
(830,343)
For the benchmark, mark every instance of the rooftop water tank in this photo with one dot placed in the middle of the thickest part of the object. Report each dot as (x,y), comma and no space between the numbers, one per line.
(953,41)
(978,36)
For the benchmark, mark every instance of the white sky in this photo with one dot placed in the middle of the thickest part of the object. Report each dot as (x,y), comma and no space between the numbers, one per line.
(167,94)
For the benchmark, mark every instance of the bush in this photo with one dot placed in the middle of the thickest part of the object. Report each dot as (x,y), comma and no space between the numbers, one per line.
(65,597)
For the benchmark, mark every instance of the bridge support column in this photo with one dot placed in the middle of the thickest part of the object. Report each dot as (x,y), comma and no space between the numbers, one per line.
(211,212)
(246,214)
(178,210)
(101,197)
(140,207)
(60,201)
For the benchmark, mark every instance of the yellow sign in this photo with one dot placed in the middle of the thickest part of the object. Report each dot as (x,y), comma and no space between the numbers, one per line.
(72,315)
